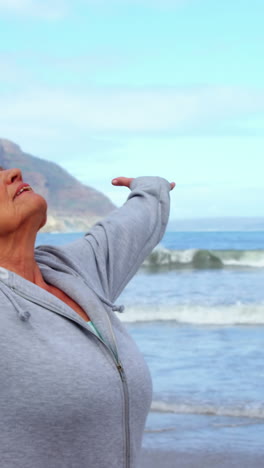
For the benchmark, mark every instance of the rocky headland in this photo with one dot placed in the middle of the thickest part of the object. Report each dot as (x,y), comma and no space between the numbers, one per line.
(72,206)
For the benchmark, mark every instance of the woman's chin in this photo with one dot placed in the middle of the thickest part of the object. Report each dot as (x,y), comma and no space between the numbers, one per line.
(38,212)
(43,223)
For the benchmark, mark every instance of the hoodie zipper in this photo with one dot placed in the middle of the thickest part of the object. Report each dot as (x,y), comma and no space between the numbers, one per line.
(114,355)
(126,407)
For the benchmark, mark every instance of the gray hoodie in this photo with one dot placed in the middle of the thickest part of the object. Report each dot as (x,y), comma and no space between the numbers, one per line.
(67,398)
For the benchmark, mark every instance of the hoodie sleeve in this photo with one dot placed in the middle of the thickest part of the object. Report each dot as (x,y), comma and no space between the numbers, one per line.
(112,251)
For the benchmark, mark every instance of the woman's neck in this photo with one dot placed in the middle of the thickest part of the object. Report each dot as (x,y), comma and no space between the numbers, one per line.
(17,255)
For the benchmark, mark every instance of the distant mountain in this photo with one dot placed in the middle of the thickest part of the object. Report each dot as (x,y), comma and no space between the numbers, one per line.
(217,224)
(72,206)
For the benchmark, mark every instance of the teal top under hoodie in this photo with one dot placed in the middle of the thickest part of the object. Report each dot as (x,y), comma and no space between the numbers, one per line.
(67,398)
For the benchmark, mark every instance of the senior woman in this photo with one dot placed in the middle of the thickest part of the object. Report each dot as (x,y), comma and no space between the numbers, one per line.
(74,388)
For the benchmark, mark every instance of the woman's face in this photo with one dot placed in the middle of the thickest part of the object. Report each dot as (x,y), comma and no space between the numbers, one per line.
(18,207)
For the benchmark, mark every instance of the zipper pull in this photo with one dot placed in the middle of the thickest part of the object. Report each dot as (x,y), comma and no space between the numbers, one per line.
(121,371)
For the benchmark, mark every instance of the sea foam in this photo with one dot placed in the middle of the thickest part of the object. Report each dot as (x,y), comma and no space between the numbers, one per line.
(245,411)
(237,314)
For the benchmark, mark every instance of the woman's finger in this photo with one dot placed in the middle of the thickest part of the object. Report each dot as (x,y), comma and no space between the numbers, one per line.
(122,181)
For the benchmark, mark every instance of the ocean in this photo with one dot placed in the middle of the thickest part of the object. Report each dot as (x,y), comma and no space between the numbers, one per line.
(196,310)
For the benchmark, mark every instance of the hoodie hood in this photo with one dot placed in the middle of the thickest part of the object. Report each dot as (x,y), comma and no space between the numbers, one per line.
(6,288)
(47,258)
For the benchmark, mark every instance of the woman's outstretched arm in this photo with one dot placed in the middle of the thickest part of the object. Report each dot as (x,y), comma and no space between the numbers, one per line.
(111,252)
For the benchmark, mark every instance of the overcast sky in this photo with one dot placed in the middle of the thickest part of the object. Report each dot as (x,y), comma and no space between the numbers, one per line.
(173,88)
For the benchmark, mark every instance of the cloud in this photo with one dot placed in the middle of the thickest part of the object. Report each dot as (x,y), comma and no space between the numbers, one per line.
(151,3)
(58,9)
(189,110)
(36,67)
(47,9)
(11,68)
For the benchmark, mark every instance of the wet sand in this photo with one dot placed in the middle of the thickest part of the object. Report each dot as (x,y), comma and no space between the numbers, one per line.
(152,459)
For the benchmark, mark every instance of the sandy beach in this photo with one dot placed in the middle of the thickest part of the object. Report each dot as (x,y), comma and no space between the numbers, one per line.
(154,459)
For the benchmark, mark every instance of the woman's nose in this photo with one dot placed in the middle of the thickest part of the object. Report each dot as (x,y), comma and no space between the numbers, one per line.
(12,175)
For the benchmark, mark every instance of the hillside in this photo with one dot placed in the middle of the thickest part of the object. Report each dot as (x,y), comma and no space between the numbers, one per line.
(73,206)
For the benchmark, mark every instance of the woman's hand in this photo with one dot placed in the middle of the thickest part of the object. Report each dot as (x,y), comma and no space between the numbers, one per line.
(126,181)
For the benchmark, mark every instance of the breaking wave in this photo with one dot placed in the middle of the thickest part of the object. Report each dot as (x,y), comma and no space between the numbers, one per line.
(243,411)
(236,314)
(162,258)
